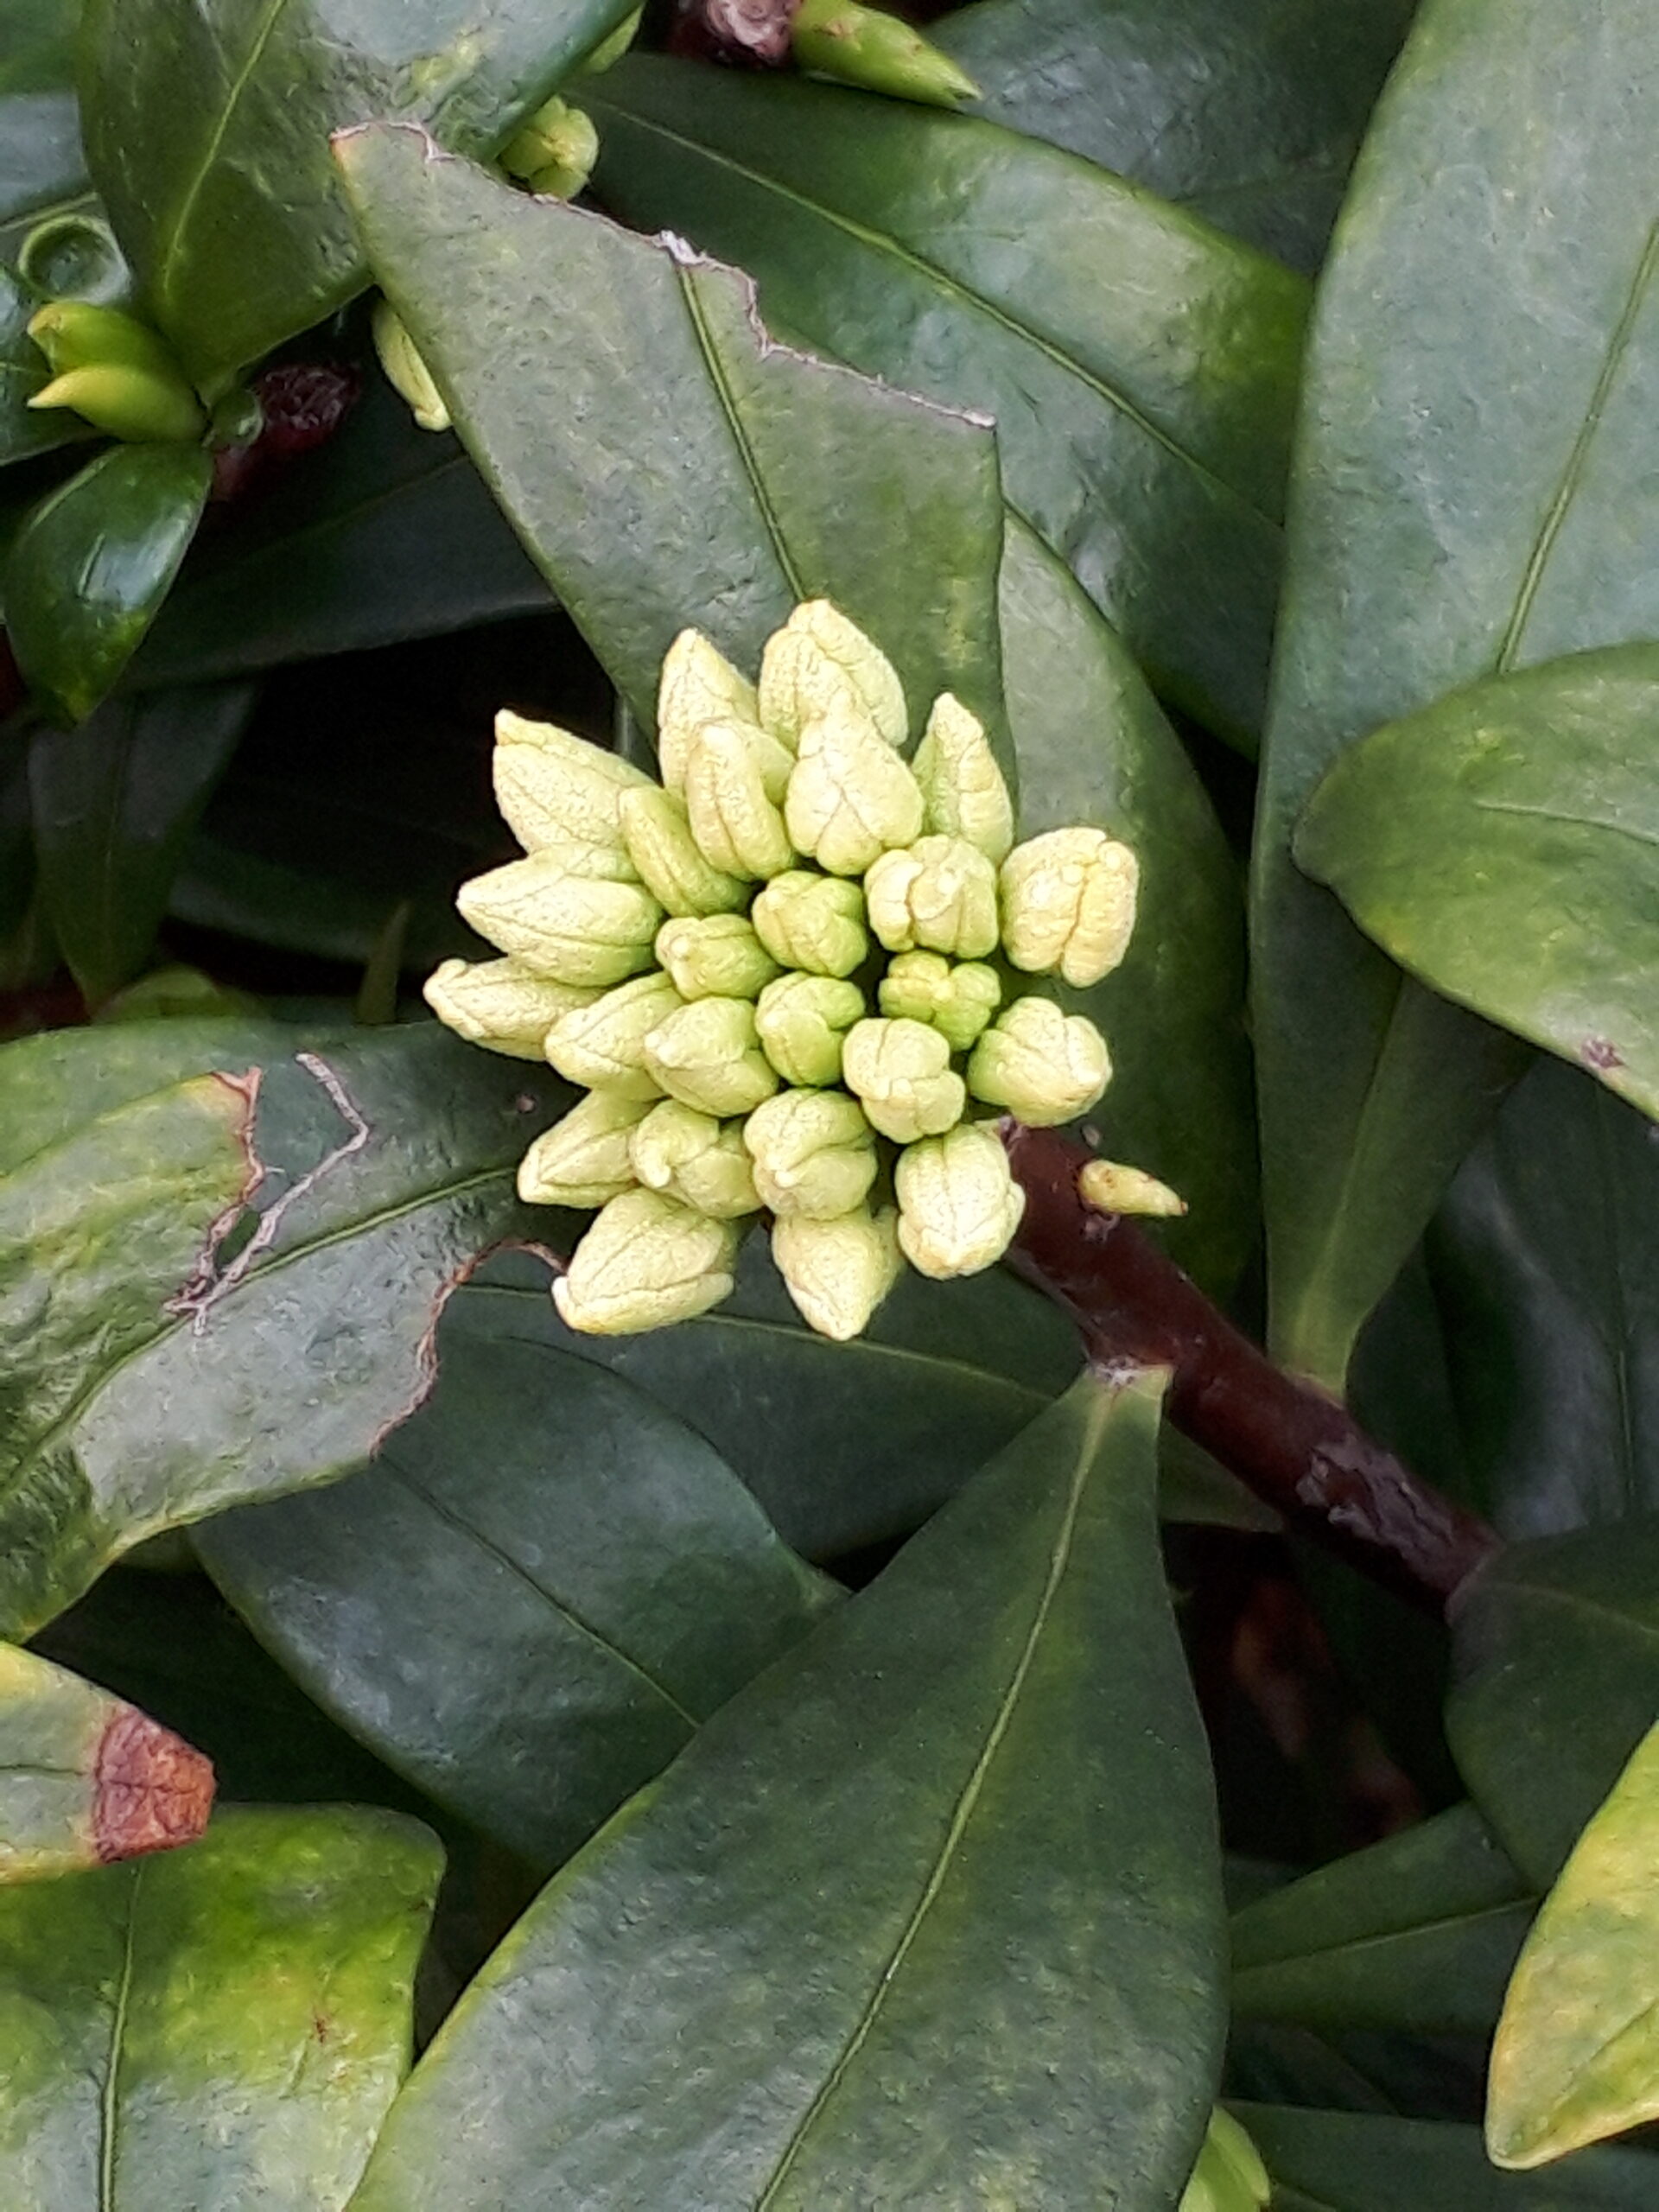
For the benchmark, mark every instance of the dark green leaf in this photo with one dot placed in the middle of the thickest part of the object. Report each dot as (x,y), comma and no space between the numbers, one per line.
(977,1794)
(1472,495)
(41,170)
(114,804)
(25,430)
(37,44)
(1341,2162)
(219,2027)
(1141,366)
(91,565)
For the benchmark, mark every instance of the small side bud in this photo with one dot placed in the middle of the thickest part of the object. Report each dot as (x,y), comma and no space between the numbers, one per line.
(406,372)
(584,1159)
(555,152)
(500,1004)
(815,923)
(566,927)
(127,402)
(646,1262)
(602,1045)
(694,1158)
(862,46)
(556,789)
(900,1071)
(1110,1187)
(938,895)
(850,798)
(820,664)
(738,826)
(958,1202)
(656,830)
(79,335)
(707,1055)
(838,1272)
(962,787)
(698,684)
(1040,1064)
(813,1153)
(1068,901)
(715,957)
(957,999)
(802,1021)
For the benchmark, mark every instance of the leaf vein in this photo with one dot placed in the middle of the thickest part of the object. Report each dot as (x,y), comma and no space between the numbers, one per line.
(746,455)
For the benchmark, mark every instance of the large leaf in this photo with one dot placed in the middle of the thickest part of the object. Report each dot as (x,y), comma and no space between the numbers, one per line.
(1343,2162)
(1247,111)
(207,134)
(531,1599)
(1471,495)
(666,463)
(976,1797)
(37,44)
(221,1255)
(1141,366)
(219,2027)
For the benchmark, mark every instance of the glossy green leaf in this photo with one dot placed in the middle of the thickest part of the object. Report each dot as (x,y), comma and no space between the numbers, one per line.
(1471,495)
(222,1248)
(207,133)
(1557,1651)
(1504,847)
(25,430)
(37,44)
(666,463)
(219,2027)
(1576,2057)
(1247,111)
(532,1596)
(88,570)
(1419,1932)
(1345,2161)
(114,804)
(1141,367)
(978,1793)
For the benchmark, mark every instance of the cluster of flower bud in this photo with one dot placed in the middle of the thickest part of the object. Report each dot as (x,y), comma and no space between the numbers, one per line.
(788,977)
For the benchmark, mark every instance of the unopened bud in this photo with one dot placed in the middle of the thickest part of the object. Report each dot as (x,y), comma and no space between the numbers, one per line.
(128,403)
(961,782)
(603,1045)
(715,957)
(938,895)
(707,1055)
(802,1021)
(79,335)
(555,789)
(821,663)
(838,1272)
(568,927)
(955,998)
(1110,1187)
(1043,1066)
(958,1202)
(1068,904)
(861,46)
(696,1159)
(901,1072)
(656,831)
(500,1004)
(646,1262)
(815,923)
(813,1153)
(850,797)
(1229,2176)
(406,372)
(698,684)
(555,152)
(584,1159)
(738,827)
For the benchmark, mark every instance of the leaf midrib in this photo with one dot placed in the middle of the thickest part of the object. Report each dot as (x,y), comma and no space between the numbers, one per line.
(1352,1946)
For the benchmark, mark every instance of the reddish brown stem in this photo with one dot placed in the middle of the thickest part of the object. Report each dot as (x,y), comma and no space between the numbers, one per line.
(1295,1447)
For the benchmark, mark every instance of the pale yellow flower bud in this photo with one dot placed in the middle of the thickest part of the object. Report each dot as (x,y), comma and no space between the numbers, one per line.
(802,1021)
(1229,2176)
(901,1072)
(957,998)
(815,923)
(656,831)
(700,1161)
(820,661)
(1110,1187)
(961,782)
(584,1159)
(647,1261)
(738,827)
(958,1202)
(555,152)
(603,1045)
(565,926)
(698,684)
(1068,902)
(813,1153)
(500,1004)
(938,895)
(715,957)
(1045,1067)
(838,1272)
(707,1055)
(555,789)
(850,797)
(406,372)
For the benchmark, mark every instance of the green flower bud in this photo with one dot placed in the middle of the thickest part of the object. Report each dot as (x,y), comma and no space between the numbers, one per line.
(1229,2176)
(957,1000)
(565,926)
(861,46)
(801,1020)
(499,1005)
(901,1071)
(958,1202)
(647,1261)
(815,923)
(610,50)
(694,1158)
(555,152)
(602,1045)
(1068,904)
(715,957)
(698,684)
(583,1160)
(707,1055)
(736,823)
(838,1272)
(557,790)
(406,372)
(820,664)
(940,894)
(1045,1067)
(1110,1187)
(850,797)
(128,403)
(813,1153)
(961,782)
(77,335)
(656,830)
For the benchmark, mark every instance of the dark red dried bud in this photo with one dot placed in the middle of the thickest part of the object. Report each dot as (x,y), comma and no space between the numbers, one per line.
(302,404)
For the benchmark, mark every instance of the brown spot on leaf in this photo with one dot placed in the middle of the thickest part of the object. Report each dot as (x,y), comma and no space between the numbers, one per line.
(1600,1052)
(151,1792)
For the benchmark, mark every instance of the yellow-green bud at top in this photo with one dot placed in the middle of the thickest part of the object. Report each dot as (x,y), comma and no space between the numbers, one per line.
(813,1153)
(500,1004)
(838,1272)
(127,402)
(694,1158)
(406,372)
(565,926)
(738,827)
(707,1055)
(819,662)
(1041,1065)
(555,152)
(1111,1187)
(958,1202)
(957,998)
(554,788)
(815,923)
(647,1261)
(656,831)
(861,46)
(901,1072)
(79,335)
(850,797)
(715,957)
(1068,902)
(802,1021)
(698,684)
(937,895)
(610,50)
(961,782)
(602,1045)
(1229,2176)
(583,1160)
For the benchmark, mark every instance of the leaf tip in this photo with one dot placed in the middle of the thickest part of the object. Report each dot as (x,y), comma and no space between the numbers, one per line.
(152,1791)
